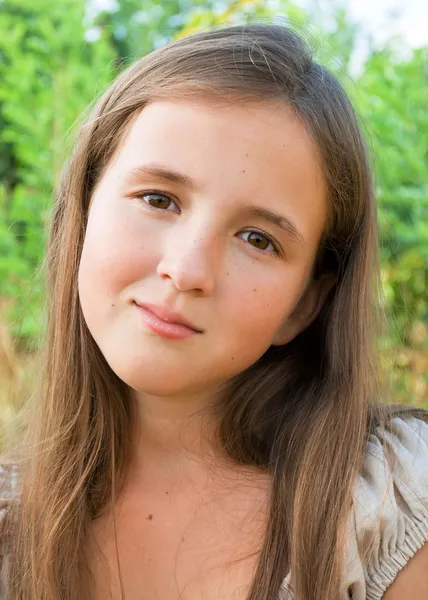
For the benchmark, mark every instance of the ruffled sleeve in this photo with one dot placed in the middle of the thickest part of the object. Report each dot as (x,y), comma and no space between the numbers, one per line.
(389,518)
(9,477)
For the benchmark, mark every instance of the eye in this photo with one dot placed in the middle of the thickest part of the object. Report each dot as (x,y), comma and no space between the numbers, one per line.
(261,242)
(157,200)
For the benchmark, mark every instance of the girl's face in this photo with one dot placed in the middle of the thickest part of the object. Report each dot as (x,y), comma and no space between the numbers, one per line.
(214,212)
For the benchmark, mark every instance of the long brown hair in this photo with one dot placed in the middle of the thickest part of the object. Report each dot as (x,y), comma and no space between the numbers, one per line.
(300,412)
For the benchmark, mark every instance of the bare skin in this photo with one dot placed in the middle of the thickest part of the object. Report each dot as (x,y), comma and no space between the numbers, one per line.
(183,539)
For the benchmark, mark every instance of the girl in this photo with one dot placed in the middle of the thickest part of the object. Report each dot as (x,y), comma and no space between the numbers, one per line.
(209,423)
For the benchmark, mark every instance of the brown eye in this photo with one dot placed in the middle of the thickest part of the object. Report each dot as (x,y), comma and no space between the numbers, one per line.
(261,242)
(258,240)
(158,200)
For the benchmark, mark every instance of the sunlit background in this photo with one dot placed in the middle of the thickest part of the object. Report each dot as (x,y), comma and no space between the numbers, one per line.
(57,56)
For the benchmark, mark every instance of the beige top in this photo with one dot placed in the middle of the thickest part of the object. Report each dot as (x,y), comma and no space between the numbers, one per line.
(390,506)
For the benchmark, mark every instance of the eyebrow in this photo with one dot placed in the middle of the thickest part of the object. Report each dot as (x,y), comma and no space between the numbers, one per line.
(135,175)
(285,223)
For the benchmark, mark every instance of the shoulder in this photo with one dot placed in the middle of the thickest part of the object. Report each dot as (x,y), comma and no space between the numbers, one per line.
(9,477)
(389,517)
(9,499)
(9,496)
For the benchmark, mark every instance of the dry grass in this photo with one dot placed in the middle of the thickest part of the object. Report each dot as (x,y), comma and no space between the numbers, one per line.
(17,374)
(10,376)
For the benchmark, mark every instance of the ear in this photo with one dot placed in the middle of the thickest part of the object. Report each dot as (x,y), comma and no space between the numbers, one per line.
(306,310)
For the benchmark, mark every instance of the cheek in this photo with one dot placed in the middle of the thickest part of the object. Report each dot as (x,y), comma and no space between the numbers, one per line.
(115,254)
(114,257)
(255,314)
(261,301)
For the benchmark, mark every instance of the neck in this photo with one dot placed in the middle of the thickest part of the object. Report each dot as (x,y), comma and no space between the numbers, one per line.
(179,430)
(177,446)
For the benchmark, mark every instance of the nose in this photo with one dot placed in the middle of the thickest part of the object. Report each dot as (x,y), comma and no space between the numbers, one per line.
(189,261)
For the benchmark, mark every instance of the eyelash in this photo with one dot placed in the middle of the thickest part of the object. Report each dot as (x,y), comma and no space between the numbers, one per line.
(276,249)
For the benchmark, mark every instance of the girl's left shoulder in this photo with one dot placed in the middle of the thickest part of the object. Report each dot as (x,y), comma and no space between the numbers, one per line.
(9,477)
(389,518)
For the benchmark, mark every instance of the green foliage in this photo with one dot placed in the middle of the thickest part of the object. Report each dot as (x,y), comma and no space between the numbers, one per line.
(135,28)
(243,11)
(392,95)
(47,80)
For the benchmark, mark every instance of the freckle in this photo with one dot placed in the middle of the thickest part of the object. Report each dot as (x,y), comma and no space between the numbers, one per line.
(254,289)
(150,560)
(166,492)
(113,304)
(150,517)
(227,273)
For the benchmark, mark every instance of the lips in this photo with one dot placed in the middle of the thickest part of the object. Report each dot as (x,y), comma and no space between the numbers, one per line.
(168,316)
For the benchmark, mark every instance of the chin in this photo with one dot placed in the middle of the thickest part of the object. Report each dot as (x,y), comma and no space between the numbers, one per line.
(159,380)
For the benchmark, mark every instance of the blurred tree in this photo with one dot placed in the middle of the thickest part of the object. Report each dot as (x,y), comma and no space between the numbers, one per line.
(392,94)
(135,27)
(47,79)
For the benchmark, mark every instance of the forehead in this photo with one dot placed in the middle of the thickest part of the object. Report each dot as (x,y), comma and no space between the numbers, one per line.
(236,151)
